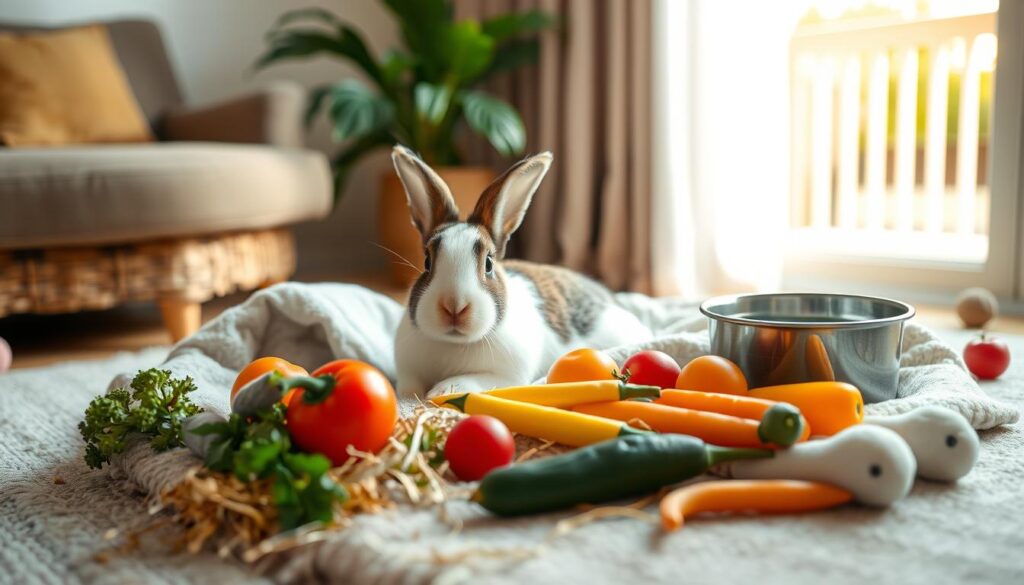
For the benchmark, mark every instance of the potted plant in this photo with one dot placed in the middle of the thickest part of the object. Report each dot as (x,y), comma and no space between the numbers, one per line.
(421,95)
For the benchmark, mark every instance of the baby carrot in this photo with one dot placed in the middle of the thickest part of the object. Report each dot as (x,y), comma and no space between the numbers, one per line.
(767,496)
(731,404)
(781,425)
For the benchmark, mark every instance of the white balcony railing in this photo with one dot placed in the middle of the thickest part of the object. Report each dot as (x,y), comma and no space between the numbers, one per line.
(872,175)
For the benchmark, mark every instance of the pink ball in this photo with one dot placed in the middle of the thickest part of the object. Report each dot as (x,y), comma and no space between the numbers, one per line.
(5,356)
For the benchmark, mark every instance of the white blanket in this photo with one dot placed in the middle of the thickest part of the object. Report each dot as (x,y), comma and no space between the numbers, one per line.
(312,324)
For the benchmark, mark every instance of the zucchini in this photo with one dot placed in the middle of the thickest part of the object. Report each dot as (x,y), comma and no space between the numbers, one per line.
(626,466)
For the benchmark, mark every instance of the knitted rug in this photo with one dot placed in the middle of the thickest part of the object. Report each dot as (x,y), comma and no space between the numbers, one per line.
(54,512)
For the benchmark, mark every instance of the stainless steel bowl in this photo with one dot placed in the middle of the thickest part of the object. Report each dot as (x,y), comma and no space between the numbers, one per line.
(810,337)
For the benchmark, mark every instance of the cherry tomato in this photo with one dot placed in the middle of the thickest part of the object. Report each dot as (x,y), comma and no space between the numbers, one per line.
(582,365)
(263,365)
(710,373)
(987,358)
(651,368)
(343,403)
(478,445)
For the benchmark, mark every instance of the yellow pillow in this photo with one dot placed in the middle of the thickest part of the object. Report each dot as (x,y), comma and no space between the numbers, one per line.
(65,87)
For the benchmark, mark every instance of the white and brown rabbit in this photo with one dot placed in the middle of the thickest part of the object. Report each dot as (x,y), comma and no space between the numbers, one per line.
(475,322)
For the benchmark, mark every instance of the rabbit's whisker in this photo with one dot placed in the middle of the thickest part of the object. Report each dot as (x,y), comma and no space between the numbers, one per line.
(403,259)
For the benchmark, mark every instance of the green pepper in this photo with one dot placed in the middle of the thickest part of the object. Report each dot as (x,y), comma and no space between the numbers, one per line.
(626,466)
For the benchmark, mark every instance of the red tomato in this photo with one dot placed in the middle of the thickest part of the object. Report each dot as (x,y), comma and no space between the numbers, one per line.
(987,358)
(651,368)
(359,410)
(477,445)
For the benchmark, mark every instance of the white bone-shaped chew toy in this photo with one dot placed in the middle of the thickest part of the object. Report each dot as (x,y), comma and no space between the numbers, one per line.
(944,443)
(873,463)
(256,396)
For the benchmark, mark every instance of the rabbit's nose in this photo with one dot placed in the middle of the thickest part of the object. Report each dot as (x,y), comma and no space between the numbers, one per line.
(454,311)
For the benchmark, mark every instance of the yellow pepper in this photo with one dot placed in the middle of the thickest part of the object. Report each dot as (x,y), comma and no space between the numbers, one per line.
(569,394)
(542,422)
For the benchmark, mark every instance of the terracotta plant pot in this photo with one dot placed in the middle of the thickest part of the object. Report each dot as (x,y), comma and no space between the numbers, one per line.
(396,231)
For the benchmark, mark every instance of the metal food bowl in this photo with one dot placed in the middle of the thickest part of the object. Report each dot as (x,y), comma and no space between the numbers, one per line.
(810,337)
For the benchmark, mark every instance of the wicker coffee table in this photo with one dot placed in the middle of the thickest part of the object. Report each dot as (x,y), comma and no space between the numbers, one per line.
(179,274)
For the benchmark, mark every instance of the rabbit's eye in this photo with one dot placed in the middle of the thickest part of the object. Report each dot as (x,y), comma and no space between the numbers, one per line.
(426,262)
(489,265)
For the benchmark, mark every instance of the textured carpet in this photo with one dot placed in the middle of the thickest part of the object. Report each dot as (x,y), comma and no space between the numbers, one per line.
(54,514)
(54,511)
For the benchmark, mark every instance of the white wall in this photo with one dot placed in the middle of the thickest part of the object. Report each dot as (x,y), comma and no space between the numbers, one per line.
(212,45)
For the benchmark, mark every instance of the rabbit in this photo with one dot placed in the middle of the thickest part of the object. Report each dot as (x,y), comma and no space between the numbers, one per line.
(475,321)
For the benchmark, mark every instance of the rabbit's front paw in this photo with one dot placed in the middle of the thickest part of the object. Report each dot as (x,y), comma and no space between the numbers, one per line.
(444,388)
(470,383)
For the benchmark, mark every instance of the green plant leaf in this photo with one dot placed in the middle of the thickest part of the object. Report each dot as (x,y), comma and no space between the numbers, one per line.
(316,99)
(432,101)
(513,24)
(513,55)
(424,25)
(496,121)
(293,44)
(357,111)
(290,43)
(468,51)
(395,65)
(313,13)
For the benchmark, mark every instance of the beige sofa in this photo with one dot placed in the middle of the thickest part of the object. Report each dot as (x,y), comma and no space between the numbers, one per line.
(200,213)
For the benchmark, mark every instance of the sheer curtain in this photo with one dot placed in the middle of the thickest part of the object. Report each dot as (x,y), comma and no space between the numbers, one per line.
(587,100)
(668,120)
(721,143)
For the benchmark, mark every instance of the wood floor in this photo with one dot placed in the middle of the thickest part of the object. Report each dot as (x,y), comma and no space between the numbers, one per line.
(39,340)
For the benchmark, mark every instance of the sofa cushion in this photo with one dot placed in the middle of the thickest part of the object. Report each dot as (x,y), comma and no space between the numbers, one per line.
(113,194)
(65,87)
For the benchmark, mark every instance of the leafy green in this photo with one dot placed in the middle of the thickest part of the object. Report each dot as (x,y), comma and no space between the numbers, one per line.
(432,101)
(290,43)
(512,24)
(154,404)
(261,448)
(357,111)
(422,94)
(496,121)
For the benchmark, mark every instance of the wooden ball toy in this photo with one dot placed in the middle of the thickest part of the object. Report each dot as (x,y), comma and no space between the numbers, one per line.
(976,306)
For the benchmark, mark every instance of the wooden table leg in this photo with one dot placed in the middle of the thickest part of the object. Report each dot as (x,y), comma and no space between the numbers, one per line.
(181,318)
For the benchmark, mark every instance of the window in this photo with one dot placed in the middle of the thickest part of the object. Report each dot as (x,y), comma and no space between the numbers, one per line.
(895,130)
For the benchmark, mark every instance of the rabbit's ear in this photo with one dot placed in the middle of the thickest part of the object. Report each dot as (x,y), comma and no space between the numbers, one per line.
(503,204)
(430,200)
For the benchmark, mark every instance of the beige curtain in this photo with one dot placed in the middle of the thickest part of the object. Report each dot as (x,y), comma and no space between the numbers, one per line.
(588,101)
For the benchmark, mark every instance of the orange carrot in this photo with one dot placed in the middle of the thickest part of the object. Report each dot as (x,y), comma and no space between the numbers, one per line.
(771,496)
(731,404)
(829,407)
(718,429)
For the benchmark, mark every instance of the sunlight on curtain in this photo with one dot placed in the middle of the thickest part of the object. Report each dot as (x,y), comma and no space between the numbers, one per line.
(673,241)
(722,144)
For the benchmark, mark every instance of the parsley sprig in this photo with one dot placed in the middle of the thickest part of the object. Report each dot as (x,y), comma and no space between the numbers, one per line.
(155,404)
